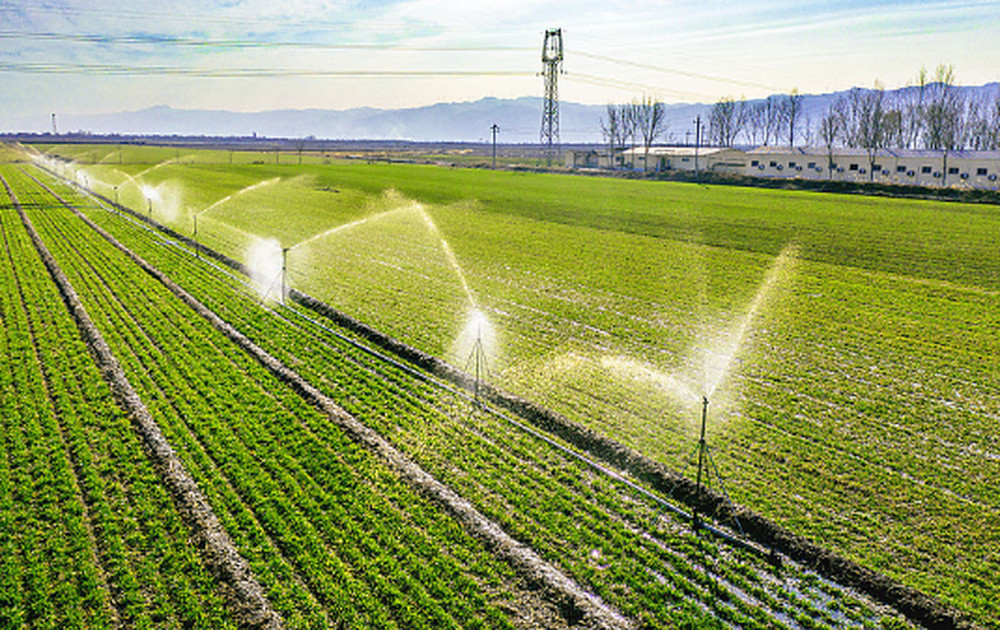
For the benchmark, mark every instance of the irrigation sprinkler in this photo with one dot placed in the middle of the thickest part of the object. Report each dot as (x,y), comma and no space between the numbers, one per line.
(477,361)
(194,236)
(284,272)
(707,469)
(702,452)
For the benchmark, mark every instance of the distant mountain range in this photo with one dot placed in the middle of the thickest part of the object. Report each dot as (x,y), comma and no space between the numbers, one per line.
(519,120)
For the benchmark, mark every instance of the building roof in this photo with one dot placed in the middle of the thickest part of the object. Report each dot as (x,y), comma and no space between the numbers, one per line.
(685,151)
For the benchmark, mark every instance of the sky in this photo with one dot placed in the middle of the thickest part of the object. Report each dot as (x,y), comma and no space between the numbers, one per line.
(103,56)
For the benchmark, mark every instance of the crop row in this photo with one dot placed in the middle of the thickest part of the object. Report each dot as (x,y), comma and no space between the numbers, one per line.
(850,377)
(333,537)
(89,536)
(606,538)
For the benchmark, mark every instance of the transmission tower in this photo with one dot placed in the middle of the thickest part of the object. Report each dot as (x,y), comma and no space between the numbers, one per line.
(552,56)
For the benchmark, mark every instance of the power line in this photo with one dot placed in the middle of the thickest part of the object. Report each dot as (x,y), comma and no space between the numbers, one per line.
(241,73)
(170,40)
(632,86)
(677,71)
(203,18)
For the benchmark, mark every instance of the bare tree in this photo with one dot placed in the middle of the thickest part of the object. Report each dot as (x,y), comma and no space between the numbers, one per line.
(630,119)
(790,111)
(753,131)
(983,123)
(650,116)
(892,126)
(726,121)
(830,129)
(944,116)
(773,119)
(808,134)
(763,120)
(911,105)
(615,130)
(863,120)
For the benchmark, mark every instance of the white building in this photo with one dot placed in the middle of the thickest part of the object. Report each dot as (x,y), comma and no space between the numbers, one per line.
(701,159)
(924,167)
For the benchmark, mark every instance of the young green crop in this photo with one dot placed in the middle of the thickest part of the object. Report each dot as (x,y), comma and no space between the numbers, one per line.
(330,533)
(536,494)
(91,538)
(865,382)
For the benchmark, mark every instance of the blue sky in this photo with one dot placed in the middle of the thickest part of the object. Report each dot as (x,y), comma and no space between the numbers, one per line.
(94,56)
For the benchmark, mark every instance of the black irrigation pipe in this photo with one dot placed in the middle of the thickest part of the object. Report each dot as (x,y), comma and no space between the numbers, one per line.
(577,605)
(216,547)
(916,605)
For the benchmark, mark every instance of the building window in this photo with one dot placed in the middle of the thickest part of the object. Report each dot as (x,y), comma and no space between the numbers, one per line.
(773,164)
(791,165)
(900,169)
(925,169)
(753,162)
(980,171)
(876,168)
(852,167)
(811,165)
(952,170)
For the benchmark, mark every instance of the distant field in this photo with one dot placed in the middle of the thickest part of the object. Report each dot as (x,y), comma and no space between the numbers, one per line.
(850,346)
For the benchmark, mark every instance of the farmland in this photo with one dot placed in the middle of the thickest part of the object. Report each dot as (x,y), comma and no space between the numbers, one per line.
(850,345)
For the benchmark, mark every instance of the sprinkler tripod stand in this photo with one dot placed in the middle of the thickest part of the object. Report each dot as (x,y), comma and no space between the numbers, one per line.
(280,280)
(477,360)
(706,464)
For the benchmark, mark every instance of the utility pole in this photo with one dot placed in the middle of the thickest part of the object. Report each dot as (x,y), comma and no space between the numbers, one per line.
(55,132)
(495,129)
(552,56)
(697,144)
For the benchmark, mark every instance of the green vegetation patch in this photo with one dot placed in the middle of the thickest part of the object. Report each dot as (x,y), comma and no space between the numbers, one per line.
(849,344)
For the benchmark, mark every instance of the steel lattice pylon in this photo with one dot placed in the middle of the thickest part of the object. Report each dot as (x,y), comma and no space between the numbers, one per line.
(552,56)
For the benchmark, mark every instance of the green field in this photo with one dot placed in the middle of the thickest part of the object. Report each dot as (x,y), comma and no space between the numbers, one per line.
(849,345)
